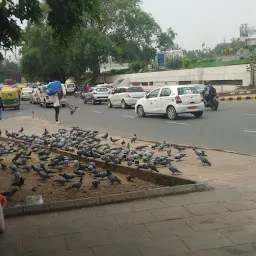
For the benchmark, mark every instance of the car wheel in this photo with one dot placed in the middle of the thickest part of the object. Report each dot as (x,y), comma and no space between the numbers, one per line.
(171,113)
(198,114)
(110,104)
(124,105)
(140,111)
(63,105)
(99,102)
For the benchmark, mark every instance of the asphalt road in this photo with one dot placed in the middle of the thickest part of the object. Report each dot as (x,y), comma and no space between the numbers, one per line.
(233,127)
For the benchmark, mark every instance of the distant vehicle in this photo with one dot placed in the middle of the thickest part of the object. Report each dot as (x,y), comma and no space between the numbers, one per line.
(70,87)
(172,101)
(35,96)
(125,96)
(26,93)
(45,100)
(96,94)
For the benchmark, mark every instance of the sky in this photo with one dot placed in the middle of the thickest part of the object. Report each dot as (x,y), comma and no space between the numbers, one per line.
(200,22)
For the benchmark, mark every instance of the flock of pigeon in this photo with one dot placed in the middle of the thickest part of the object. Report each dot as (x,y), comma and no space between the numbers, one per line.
(84,143)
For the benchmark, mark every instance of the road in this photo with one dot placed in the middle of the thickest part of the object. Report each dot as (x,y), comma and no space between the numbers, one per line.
(233,127)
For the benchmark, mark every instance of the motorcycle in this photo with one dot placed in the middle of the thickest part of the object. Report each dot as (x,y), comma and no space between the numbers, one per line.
(213,103)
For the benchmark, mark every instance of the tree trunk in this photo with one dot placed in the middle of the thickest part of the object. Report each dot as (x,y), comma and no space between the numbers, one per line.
(95,72)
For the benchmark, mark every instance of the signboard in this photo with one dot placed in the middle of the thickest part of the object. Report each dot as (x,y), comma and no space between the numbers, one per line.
(161,60)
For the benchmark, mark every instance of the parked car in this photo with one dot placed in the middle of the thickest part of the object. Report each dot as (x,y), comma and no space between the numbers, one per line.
(70,87)
(172,101)
(109,86)
(35,96)
(125,96)
(45,100)
(26,93)
(96,94)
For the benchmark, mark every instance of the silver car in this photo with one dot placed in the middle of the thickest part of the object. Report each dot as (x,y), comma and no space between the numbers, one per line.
(96,95)
(26,93)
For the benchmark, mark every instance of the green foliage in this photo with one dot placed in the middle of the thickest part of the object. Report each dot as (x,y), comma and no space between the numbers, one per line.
(186,62)
(174,63)
(63,16)
(166,40)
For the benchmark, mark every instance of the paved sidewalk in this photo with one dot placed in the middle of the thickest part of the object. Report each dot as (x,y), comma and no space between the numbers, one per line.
(219,222)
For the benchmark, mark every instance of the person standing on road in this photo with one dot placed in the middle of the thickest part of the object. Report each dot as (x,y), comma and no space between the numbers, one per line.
(56,101)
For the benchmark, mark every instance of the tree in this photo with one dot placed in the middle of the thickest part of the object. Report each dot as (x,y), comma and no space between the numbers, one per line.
(186,62)
(174,63)
(166,40)
(63,16)
(10,70)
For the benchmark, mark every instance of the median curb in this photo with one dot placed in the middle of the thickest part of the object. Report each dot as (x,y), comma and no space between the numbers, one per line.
(236,98)
(104,200)
(196,147)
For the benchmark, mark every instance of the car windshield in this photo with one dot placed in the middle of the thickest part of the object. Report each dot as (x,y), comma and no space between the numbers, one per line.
(199,87)
(135,89)
(27,90)
(70,85)
(102,89)
(187,90)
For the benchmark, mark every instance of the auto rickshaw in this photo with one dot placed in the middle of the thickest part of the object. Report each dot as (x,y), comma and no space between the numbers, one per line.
(10,98)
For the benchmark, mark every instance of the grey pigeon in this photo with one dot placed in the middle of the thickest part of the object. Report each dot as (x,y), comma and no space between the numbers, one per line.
(204,160)
(174,170)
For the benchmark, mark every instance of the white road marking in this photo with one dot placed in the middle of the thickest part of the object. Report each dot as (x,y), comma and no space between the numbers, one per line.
(250,114)
(98,112)
(128,116)
(176,123)
(249,131)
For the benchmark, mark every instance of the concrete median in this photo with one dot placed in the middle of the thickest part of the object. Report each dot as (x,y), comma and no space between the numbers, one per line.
(237,98)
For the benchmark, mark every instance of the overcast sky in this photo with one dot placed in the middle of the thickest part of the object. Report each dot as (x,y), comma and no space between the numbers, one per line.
(202,21)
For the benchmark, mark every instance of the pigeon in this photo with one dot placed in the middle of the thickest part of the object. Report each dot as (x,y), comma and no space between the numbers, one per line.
(113,178)
(130,177)
(95,183)
(204,160)
(3,166)
(26,167)
(174,170)
(21,130)
(104,136)
(45,132)
(77,185)
(61,181)
(79,173)
(9,193)
(134,138)
(152,167)
(18,183)
(179,156)
(43,175)
(7,134)
(179,148)
(199,153)
(37,169)
(141,147)
(68,176)
(169,151)
(123,143)
(114,140)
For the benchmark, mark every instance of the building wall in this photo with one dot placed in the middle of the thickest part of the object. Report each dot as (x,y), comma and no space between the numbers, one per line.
(197,75)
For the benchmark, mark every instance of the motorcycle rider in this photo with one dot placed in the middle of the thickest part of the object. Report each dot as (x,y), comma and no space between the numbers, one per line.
(209,92)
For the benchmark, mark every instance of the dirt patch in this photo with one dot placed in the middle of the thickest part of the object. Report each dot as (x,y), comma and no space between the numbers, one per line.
(51,191)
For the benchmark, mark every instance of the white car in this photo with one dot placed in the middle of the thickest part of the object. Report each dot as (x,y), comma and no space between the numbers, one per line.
(26,93)
(125,96)
(70,87)
(172,101)
(35,96)
(45,100)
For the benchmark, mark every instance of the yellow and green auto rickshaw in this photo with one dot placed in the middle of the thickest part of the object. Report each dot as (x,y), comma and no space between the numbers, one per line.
(10,98)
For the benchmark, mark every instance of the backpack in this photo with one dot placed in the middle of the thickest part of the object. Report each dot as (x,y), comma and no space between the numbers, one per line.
(53,88)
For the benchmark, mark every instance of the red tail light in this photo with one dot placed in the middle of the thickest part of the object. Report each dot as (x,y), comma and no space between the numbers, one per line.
(94,92)
(15,101)
(178,99)
(127,95)
(35,94)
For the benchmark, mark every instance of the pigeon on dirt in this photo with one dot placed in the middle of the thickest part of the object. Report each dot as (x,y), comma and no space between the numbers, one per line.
(141,147)
(113,178)
(130,177)
(45,132)
(179,148)
(134,138)
(179,156)
(67,176)
(199,153)
(21,130)
(114,140)
(18,183)
(77,185)
(9,193)
(173,169)
(204,160)
(123,143)
(169,151)
(61,181)
(95,183)
(105,136)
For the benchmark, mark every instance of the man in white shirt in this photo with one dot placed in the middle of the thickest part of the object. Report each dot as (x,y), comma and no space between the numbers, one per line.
(56,102)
